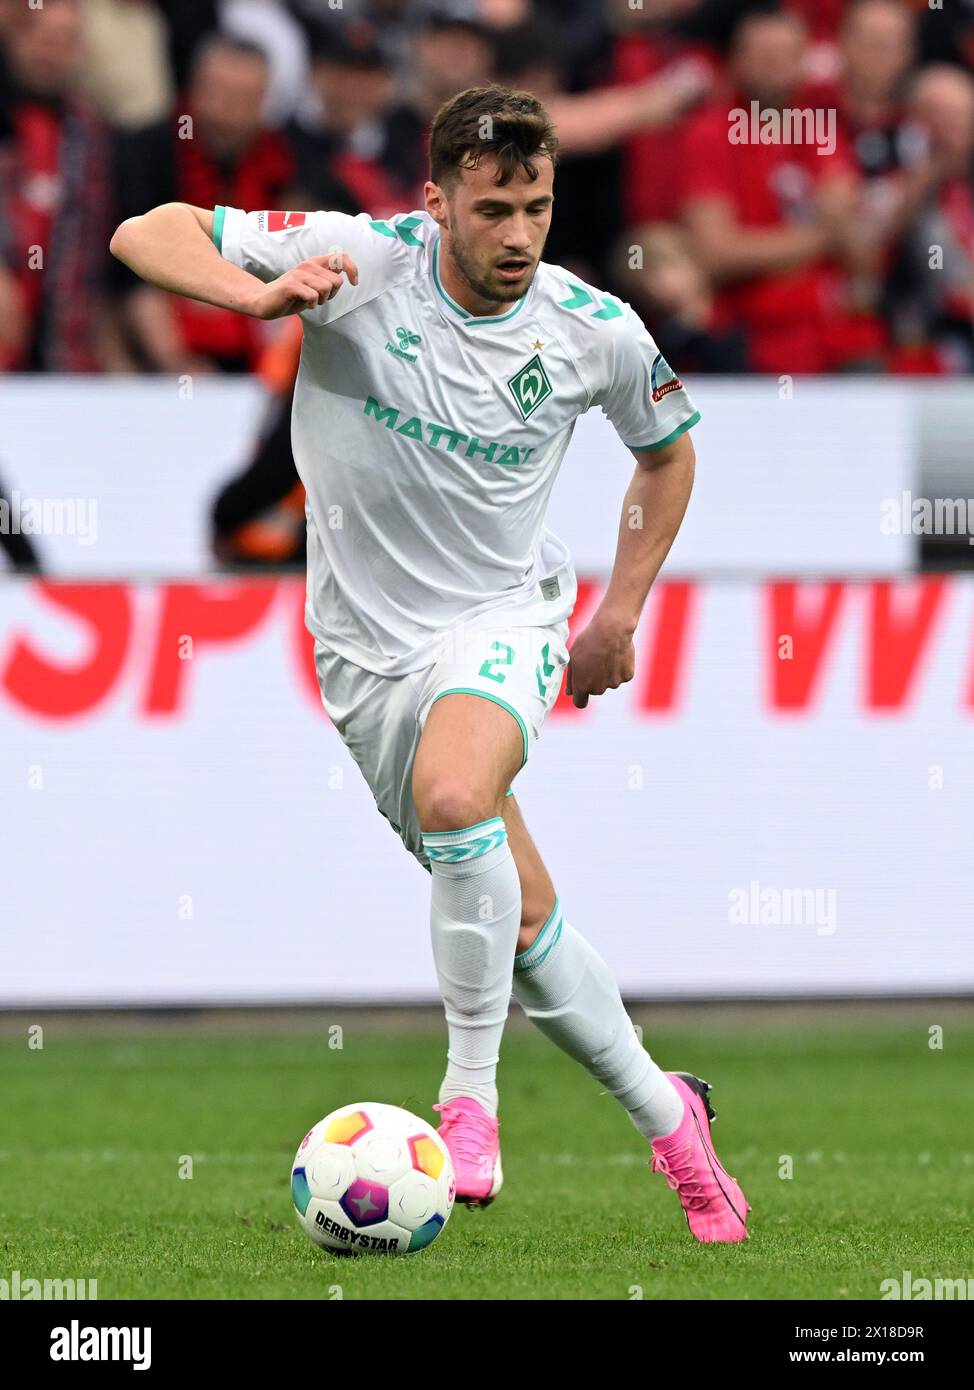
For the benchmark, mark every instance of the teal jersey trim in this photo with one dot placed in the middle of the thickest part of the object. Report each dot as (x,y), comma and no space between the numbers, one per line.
(461,313)
(465,690)
(661,443)
(403,229)
(219,217)
(580,299)
(467,318)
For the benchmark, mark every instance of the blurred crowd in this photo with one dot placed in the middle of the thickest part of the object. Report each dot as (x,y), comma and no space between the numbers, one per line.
(850,252)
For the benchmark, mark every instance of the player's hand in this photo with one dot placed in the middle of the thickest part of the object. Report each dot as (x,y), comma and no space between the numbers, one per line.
(304,286)
(602,658)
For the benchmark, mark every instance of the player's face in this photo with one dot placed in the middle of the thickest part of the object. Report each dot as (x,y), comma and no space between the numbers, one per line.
(496,234)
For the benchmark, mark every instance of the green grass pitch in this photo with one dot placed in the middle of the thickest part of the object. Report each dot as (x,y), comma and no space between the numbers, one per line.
(875,1122)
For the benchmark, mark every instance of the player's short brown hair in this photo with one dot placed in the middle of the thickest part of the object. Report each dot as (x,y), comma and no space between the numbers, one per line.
(512,126)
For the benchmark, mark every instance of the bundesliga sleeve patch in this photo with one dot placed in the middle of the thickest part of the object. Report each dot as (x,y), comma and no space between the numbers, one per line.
(664,379)
(281,221)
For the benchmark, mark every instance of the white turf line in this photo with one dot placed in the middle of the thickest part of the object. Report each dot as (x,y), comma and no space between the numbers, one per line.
(554,1160)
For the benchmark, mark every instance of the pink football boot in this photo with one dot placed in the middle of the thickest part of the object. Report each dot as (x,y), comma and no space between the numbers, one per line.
(716,1208)
(470,1134)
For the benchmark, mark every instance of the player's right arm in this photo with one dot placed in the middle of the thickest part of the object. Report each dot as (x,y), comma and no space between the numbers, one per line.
(173,247)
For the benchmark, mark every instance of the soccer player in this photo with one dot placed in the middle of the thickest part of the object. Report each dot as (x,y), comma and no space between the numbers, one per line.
(443,367)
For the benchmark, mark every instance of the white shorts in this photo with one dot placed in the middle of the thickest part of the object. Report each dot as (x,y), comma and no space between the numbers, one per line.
(380,718)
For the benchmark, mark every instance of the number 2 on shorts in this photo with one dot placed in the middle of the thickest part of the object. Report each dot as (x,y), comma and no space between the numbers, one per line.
(504,660)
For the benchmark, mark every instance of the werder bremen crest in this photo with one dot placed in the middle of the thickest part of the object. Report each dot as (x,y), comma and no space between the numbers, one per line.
(530,386)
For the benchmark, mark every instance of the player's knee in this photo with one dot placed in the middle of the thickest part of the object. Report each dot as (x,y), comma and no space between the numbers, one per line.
(450,805)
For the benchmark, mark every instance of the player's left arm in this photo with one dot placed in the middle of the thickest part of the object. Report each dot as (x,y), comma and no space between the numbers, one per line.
(652,412)
(603,656)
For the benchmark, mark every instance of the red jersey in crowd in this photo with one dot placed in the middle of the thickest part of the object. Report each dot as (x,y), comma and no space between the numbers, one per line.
(795,320)
(55,221)
(651,159)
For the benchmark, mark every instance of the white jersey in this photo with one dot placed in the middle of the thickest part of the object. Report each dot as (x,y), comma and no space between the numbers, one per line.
(428,440)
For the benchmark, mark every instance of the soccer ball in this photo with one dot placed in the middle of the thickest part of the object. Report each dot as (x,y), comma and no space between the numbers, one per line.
(372,1177)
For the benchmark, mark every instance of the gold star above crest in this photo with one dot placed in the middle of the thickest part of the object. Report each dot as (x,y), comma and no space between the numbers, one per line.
(539,344)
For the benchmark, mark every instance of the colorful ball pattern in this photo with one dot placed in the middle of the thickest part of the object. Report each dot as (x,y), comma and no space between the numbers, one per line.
(372,1177)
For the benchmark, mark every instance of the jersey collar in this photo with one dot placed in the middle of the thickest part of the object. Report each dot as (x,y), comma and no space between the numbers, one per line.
(459,315)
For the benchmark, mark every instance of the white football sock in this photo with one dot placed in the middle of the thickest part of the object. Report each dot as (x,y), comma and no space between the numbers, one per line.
(566,988)
(475,917)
